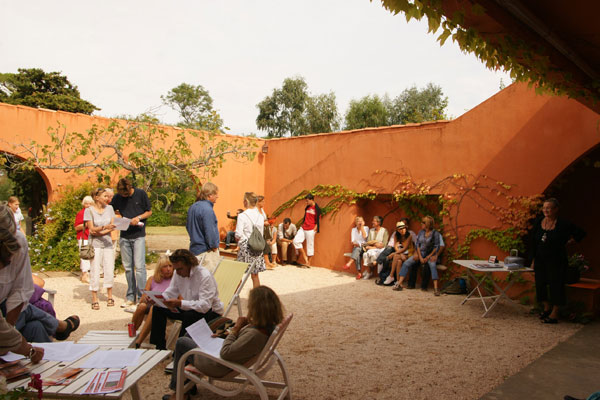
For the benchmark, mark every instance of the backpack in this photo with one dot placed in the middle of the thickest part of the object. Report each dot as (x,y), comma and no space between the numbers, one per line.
(256,241)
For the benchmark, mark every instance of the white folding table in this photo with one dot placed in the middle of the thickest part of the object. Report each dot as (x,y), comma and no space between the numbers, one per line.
(486,270)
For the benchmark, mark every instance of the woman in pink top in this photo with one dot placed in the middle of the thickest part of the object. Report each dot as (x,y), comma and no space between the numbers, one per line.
(158,282)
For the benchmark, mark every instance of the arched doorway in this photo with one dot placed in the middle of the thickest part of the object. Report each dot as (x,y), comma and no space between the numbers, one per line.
(30,186)
(578,192)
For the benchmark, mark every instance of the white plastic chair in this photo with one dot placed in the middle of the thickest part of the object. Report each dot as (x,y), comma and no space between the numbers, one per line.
(253,372)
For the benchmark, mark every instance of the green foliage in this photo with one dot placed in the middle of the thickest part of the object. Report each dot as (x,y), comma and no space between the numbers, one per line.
(413,105)
(28,186)
(292,110)
(368,112)
(160,160)
(6,187)
(505,239)
(159,218)
(54,245)
(525,62)
(35,88)
(195,107)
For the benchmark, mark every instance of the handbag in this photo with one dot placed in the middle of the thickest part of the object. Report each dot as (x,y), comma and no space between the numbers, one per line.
(86,251)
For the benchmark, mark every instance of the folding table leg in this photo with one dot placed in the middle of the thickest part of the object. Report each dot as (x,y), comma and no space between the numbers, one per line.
(135,392)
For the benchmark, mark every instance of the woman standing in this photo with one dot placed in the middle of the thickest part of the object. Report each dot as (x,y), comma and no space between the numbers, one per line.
(82,238)
(245,223)
(548,253)
(99,221)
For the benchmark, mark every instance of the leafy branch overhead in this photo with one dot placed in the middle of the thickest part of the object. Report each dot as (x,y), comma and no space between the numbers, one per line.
(153,156)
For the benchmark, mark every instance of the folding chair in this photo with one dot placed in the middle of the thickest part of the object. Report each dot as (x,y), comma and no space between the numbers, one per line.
(230,277)
(253,372)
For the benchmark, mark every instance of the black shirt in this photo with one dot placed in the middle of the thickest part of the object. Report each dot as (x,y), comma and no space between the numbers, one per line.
(131,207)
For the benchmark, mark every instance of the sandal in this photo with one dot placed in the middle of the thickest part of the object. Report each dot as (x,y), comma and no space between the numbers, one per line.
(110,303)
(549,320)
(72,324)
(544,314)
(95,306)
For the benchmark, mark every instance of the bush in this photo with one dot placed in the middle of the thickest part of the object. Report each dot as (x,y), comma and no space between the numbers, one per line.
(159,218)
(54,245)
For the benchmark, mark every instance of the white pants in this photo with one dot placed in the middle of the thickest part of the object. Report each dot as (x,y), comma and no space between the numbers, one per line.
(370,256)
(209,260)
(84,264)
(104,258)
(310,241)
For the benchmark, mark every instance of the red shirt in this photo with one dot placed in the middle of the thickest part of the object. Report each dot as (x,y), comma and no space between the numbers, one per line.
(310,218)
(84,234)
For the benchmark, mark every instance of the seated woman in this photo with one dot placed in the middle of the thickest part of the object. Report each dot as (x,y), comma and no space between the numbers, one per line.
(358,236)
(158,282)
(245,341)
(191,296)
(428,247)
(404,249)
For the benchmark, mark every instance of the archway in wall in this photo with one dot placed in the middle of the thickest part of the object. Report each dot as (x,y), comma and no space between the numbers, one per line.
(578,193)
(30,186)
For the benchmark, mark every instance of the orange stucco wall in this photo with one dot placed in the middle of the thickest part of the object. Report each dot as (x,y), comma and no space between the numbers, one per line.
(516,137)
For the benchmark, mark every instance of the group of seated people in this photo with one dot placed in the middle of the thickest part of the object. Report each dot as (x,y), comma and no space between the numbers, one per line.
(25,317)
(397,255)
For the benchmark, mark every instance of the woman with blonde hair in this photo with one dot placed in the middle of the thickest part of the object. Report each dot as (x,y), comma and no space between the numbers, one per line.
(99,221)
(246,340)
(246,222)
(82,238)
(158,282)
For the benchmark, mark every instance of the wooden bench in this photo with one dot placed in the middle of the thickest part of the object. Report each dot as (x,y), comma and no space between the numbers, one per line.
(586,291)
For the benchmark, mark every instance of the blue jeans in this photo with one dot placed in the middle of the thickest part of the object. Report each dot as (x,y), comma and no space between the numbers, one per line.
(133,255)
(412,263)
(36,325)
(230,238)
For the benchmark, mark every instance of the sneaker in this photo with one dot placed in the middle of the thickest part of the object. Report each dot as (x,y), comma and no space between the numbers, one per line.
(388,280)
(366,275)
(130,309)
(397,287)
(128,303)
(436,293)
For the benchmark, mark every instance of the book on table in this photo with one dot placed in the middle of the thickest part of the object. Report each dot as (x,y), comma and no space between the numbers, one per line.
(13,370)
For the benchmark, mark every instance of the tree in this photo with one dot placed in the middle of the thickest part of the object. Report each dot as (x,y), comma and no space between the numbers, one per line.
(414,105)
(292,110)
(153,157)
(370,111)
(35,88)
(195,107)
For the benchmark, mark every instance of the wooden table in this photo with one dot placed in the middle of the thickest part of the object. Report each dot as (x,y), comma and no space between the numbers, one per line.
(108,339)
(148,360)
(486,271)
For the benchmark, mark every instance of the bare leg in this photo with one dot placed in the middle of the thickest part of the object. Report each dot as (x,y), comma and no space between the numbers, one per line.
(146,328)
(255,280)
(554,313)
(302,256)
(109,293)
(138,315)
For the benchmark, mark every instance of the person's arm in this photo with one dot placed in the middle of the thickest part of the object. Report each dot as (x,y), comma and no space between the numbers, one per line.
(13,314)
(242,345)
(146,206)
(207,292)
(18,273)
(12,340)
(239,227)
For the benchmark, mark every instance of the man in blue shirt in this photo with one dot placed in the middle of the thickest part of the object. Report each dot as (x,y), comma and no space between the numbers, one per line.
(134,204)
(202,227)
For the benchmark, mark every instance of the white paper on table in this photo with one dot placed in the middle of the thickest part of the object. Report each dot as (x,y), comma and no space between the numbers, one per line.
(158,299)
(202,335)
(10,356)
(113,359)
(121,223)
(65,351)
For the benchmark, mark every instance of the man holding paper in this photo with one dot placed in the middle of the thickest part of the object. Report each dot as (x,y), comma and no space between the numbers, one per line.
(199,297)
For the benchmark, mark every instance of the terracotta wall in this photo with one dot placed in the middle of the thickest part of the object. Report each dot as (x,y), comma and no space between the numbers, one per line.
(516,137)
(21,124)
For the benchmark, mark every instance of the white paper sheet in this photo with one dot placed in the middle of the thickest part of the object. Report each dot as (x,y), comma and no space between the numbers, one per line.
(10,356)
(65,351)
(113,359)
(122,224)
(158,299)
(201,334)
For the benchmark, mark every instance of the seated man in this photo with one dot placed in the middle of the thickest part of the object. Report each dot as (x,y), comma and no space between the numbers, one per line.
(376,241)
(230,238)
(16,288)
(198,297)
(285,236)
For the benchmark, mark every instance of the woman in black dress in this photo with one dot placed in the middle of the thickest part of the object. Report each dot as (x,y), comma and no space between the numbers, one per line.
(548,253)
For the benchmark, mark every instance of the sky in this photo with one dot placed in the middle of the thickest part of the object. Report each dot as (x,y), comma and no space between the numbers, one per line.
(123,55)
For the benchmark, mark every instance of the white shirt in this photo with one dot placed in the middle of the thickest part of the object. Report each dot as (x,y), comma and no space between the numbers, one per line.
(19,217)
(246,220)
(289,233)
(356,237)
(199,291)
(16,283)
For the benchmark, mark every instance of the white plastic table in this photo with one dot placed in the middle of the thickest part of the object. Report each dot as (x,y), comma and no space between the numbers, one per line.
(486,269)
(148,360)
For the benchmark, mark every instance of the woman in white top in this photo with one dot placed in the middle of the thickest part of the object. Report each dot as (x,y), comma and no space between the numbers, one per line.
(358,236)
(267,234)
(13,204)
(99,221)
(245,223)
